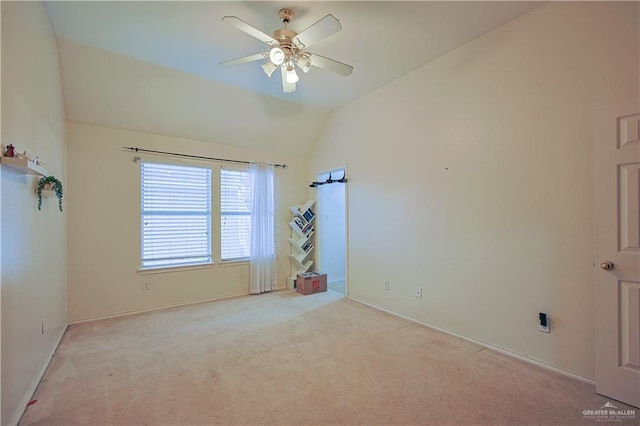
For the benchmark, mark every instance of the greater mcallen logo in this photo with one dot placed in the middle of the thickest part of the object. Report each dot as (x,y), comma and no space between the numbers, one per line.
(609,413)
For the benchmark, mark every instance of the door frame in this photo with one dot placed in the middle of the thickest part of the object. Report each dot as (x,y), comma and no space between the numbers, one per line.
(609,380)
(346,223)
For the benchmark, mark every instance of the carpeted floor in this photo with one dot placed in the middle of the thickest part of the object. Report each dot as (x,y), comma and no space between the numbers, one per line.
(287,359)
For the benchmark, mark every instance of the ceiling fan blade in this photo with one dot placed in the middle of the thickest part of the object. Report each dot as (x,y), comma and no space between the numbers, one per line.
(323,28)
(245,59)
(330,64)
(253,32)
(286,87)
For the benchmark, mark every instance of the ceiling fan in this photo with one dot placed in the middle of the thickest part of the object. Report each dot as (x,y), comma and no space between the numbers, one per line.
(287,48)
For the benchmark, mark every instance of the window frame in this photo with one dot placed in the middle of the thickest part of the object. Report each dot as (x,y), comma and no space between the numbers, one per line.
(221,212)
(209,261)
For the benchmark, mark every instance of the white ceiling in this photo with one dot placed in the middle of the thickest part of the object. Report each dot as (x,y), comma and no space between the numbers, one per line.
(381,40)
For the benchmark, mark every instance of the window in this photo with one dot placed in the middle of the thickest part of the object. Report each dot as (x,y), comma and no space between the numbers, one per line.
(235,215)
(176,215)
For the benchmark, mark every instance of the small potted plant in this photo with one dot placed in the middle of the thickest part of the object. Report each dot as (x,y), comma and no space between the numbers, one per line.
(49,183)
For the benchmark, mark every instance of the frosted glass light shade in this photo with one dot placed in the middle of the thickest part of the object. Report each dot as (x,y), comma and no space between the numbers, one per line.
(304,64)
(292,77)
(269,68)
(276,56)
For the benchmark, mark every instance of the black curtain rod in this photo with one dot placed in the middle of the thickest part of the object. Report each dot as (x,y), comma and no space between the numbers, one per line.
(130,148)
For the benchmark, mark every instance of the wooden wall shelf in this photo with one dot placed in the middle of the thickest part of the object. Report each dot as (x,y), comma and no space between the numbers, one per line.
(23,165)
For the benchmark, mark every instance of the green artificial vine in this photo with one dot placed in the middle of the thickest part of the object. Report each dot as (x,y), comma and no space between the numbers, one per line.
(56,186)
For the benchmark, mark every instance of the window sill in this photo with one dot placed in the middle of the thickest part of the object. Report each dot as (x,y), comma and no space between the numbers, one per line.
(227,263)
(164,270)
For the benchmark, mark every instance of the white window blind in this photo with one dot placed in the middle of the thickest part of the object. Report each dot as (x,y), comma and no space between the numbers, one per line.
(176,215)
(235,214)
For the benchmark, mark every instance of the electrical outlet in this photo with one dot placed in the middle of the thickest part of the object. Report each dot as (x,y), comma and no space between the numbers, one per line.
(386,285)
(146,285)
(419,292)
(42,326)
(544,324)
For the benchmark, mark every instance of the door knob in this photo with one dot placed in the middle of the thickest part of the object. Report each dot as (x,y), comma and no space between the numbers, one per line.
(607,265)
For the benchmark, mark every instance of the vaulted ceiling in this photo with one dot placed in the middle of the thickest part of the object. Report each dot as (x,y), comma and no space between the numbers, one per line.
(154,66)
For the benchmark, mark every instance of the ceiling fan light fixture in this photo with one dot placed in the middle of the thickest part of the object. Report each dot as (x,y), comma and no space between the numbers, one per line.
(286,48)
(276,56)
(291,77)
(269,68)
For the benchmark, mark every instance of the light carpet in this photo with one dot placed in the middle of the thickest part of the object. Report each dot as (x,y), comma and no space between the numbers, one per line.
(287,359)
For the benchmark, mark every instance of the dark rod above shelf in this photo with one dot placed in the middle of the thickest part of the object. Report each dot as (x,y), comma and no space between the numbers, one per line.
(343,179)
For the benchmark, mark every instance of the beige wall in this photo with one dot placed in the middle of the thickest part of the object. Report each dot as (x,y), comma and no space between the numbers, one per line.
(104,213)
(472,178)
(34,243)
(137,95)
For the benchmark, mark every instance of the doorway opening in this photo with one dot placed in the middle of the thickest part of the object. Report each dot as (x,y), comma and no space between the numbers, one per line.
(332,230)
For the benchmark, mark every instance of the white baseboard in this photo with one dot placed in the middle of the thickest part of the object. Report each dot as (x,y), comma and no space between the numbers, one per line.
(494,348)
(335,280)
(157,308)
(31,390)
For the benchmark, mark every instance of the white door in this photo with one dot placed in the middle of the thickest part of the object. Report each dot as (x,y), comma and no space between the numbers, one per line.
(617,195)
(332,230)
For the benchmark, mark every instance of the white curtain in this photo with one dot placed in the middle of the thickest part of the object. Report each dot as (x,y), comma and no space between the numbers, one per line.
(262,275)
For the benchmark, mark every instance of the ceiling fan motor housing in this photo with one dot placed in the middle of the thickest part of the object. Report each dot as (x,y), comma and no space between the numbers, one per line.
(284,36)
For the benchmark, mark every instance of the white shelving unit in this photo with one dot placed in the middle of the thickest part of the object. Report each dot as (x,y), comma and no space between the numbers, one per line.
(302,239)
(24,165)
